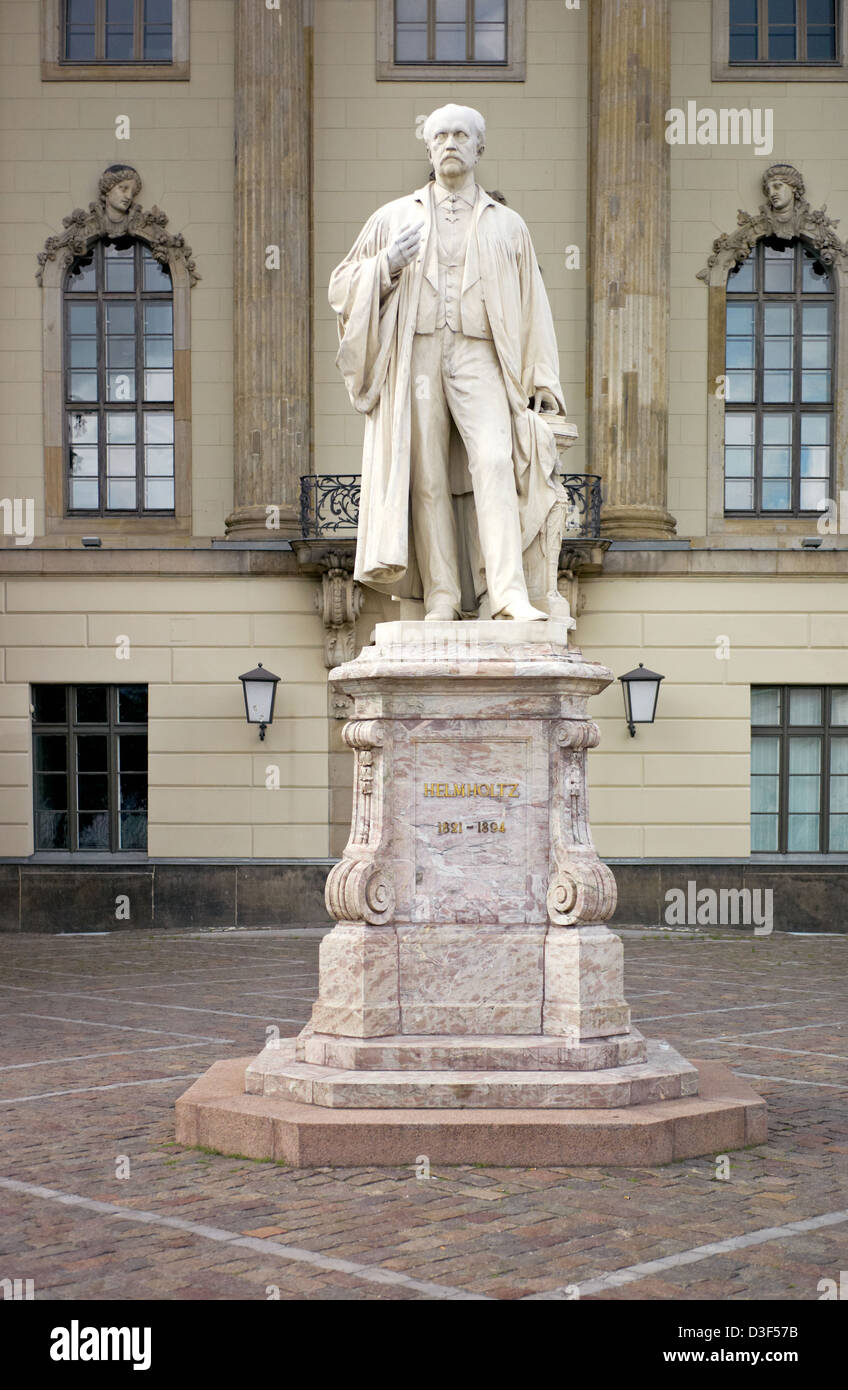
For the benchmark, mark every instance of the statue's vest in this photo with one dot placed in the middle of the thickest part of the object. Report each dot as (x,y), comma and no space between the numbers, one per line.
(448,306)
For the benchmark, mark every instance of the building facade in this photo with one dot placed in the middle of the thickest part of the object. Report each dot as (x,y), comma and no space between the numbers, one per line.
(179,455)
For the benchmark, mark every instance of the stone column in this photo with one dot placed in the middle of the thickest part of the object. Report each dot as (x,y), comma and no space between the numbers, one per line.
(271,284)
(629,263)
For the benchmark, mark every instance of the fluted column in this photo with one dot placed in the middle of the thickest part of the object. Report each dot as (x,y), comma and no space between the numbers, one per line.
(272,292)
(629,263)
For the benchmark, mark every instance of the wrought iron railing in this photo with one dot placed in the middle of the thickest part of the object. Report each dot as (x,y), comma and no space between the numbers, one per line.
(329,505)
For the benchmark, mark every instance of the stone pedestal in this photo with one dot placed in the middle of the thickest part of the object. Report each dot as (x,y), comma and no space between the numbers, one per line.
(470,967)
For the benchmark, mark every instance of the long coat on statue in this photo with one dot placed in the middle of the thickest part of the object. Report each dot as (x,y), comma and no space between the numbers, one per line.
(377,318)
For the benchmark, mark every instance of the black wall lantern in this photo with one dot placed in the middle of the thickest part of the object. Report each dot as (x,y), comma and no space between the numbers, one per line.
(260,690)
(641,690)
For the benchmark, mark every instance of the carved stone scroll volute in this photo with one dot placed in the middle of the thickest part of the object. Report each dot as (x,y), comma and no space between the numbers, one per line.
(359,888)
(582,888)
(339,601)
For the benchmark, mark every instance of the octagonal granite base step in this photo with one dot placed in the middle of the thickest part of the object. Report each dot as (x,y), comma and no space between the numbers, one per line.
(215,1113)
(665,1075)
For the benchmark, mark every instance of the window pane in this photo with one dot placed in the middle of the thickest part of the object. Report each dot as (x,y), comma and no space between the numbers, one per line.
(156,276)
(815,386)
(765,795)
(158,352)
(120,352)
(51,751)
(121,495)
(804,708)
(777,352)
(814,277)
(119,260)
(838,834)
(764,834)
(803,834)
(133,830)
(765,705)
(816,318)
(159,461)
(776,496)
(83,461)
(776,463)
(84,495)
(740,319)
(158,427)
(778,319)
(739,463)
(743,277)
(490,43)
(92,704)
(51,830)
(740,352)
(82,276)
(738,496)
(132,754)
(411,43)
(120,318)
(158,386)
(93,792)
(838,709)
(132,704)
(120,386)
(49,704)
(765,756)
(777,386)
(51,791)
(815,429)
(777,429)
(159,494)
(779,270)
(120,461)
(83,428)
(813,494)
(92,752)
(93,830)
(739,428)
(739,386)
(82,386)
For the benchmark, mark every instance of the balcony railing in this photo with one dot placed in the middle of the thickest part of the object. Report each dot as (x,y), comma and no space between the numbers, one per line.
(329,506)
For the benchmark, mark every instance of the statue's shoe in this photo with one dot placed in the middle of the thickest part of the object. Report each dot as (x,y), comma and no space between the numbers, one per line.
(522,613)
(441,615)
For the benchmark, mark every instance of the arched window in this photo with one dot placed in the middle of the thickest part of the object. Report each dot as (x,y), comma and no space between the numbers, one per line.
(119,382)
(780,372)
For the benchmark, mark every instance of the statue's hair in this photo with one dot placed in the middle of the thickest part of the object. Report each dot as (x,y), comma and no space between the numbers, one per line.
(467,113)
(116,173)
(788,173)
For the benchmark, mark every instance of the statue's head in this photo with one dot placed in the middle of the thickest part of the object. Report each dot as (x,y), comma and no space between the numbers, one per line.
(455,137)
(119,185)
(782,184)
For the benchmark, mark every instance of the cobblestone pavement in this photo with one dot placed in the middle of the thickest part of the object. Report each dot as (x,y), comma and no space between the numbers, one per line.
(101,1034)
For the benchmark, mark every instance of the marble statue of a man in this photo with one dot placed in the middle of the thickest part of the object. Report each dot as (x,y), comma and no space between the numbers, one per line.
(448,349)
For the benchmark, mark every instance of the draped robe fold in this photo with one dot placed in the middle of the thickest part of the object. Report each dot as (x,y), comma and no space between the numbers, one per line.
(376,324)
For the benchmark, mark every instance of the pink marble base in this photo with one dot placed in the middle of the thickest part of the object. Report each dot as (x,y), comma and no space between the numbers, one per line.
(469,1053)
(664,1075)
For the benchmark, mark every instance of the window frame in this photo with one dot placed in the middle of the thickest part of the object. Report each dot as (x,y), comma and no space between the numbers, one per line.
(56,68)
(513,70)
(796,407)
(57,521)
(137,408)
(781,70)
(70,730)
(749,524)
(784,731)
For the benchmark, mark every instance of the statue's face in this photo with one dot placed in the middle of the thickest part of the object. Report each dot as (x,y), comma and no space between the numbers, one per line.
(453,147)
(121,195)
(780,194)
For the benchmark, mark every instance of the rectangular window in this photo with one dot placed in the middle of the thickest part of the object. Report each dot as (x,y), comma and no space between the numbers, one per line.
(779,373)
(799,769)
(117,31)
(779,40)
(115,40)
(428,40)
(90,767)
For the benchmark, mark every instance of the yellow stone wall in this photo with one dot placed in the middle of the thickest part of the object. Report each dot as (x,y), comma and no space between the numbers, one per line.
(56,138)
(190,639)
(680,787)
(708,184)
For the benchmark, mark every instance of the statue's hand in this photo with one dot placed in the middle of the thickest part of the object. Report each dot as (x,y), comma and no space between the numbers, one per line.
(405,248)
(544,400)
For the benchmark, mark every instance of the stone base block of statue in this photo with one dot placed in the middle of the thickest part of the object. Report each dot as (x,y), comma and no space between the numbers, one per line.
(470,1003)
